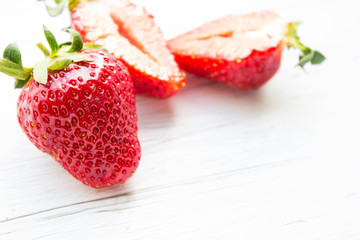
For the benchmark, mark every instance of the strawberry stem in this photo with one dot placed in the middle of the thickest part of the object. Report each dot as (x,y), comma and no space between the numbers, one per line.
(308,54)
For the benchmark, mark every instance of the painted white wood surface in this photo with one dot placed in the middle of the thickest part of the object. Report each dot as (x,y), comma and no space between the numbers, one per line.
(279,163)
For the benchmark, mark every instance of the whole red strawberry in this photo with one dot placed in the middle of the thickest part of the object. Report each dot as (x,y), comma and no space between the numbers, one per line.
(131,34)
(241,51)
(80,109)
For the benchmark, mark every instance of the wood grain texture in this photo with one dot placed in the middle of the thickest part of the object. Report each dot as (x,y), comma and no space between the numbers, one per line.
(278,163)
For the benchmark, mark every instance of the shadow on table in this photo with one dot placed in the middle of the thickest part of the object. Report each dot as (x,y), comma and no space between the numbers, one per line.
(198,92)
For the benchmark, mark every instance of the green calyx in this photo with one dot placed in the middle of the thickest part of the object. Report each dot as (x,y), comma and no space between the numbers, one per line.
(59,57)
(308,54)
(58,6)
(73,3)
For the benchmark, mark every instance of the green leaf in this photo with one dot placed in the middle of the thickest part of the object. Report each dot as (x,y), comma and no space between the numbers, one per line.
(57,9)
(12,53)
(40,72)
(317,58)
(12,69)
(19,83)
(60,64)
(44,49)
(77,43)
(303,59)
(308,55)
(51,41)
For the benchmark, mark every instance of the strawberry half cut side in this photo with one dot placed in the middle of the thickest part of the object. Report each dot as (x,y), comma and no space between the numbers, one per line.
(130,33)
(241,51)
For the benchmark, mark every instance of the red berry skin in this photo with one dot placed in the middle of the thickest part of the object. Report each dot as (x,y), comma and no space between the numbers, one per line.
(241,51)
(85,118)
(154,87)
(249,73)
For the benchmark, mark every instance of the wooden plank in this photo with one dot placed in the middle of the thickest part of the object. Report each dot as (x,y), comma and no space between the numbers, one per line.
(278,163)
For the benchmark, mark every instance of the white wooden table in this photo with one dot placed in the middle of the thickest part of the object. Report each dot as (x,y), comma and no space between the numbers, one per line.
(279,163)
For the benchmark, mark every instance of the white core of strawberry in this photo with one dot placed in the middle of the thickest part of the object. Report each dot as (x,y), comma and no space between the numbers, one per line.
(232,37)
(129,33)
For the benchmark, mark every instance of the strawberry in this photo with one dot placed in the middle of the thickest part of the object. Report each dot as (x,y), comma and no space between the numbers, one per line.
(241,51)
(79,107)
(130,33)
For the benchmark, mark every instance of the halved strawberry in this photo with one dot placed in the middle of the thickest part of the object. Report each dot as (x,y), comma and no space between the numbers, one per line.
(242,51)
(130,33)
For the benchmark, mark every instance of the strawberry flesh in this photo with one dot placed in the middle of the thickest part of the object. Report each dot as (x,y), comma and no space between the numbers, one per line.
(242,51)
(131,34)
(85,117)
